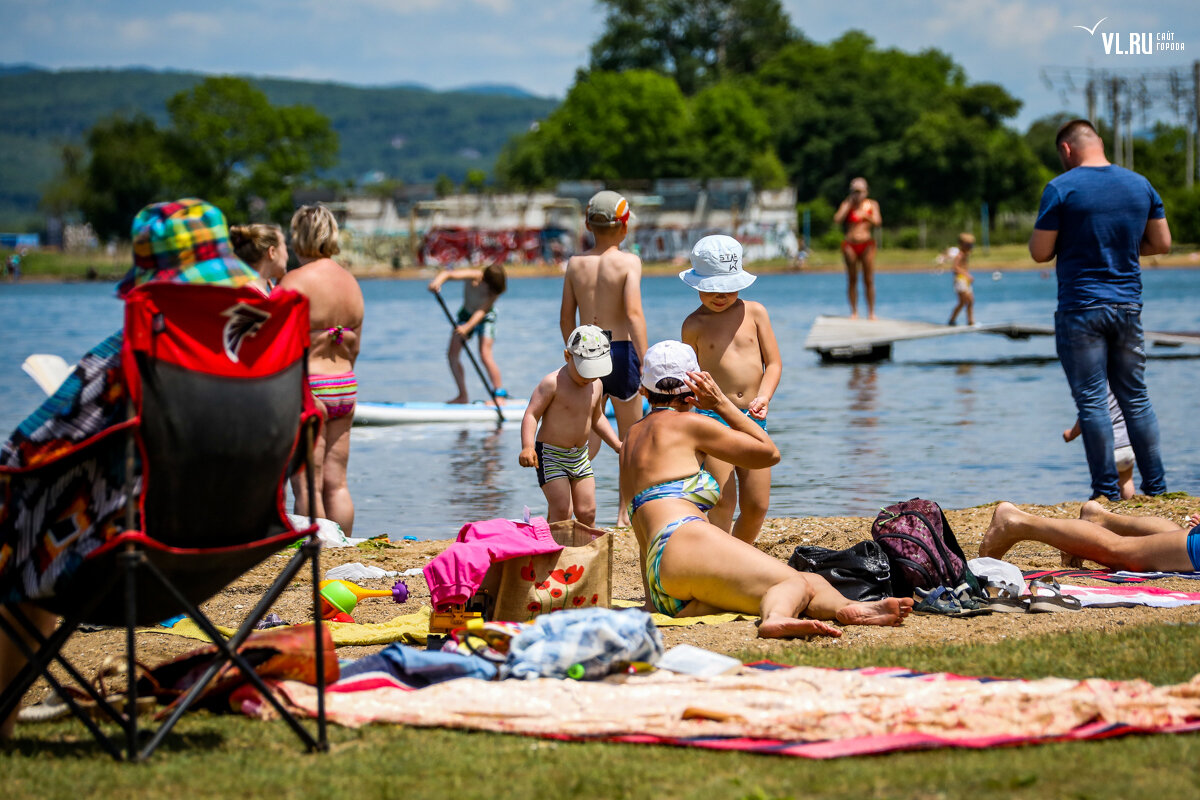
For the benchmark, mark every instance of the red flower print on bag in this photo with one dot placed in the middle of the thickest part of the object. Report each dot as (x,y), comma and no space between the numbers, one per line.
(527,572)
(569,575)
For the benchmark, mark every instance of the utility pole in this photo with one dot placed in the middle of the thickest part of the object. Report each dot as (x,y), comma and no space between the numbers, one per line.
(1194,128)
(1114,88)
(1091,97)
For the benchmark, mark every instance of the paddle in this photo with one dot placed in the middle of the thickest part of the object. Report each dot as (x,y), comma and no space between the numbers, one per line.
(470,355)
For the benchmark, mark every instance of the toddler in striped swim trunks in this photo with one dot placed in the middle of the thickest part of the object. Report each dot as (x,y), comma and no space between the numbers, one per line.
(568,404)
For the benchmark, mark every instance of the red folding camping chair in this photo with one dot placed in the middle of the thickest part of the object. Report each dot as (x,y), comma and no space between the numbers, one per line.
(220,417)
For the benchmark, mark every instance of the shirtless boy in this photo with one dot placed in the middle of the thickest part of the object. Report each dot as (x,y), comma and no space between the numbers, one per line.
(604,285)
(735,344)
(569,403)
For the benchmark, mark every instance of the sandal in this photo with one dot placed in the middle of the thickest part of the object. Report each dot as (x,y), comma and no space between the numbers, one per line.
(942,601)
(1054,600)
(54,707)
(1005,602)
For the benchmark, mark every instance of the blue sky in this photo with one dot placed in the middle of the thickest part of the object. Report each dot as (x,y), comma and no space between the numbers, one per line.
(538,44)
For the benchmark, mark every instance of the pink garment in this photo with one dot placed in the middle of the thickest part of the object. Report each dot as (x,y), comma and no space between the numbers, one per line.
(458,571)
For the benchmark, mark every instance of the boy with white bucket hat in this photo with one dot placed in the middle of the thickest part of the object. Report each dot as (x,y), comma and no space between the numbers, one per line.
(569,404)
(734,342)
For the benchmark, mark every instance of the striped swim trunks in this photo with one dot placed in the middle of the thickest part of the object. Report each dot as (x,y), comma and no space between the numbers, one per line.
(571,463)
(337,392)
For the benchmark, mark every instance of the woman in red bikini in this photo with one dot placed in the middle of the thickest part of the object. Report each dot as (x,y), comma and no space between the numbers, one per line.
(336,317)
(860,216)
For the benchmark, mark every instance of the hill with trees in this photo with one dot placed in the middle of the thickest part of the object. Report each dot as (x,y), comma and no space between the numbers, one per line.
(403,133)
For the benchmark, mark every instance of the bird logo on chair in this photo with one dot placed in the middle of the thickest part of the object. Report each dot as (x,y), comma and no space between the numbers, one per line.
(244,321)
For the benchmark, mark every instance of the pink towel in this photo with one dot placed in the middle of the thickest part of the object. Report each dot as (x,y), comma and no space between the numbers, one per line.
(456,573)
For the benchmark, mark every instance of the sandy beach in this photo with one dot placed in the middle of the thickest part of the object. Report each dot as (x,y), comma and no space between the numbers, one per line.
(779,537)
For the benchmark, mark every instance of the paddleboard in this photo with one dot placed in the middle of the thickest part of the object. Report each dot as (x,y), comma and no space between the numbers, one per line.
(47,370)
(417,411)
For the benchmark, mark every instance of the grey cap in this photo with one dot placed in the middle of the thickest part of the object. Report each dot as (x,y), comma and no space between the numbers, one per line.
(607,209)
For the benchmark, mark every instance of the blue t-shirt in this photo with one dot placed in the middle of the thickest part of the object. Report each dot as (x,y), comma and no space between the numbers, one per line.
(1100,214)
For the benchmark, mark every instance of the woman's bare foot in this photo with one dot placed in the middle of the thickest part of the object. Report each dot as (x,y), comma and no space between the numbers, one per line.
(1070,561)
(888,611)
(997,540)
(460,400)
(1093,512)
(790,628)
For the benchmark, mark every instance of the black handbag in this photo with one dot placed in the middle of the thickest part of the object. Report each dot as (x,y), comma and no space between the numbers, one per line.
(860,573)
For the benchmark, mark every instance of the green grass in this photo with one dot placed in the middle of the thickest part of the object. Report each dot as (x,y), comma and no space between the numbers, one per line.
(73,266)
(227,756)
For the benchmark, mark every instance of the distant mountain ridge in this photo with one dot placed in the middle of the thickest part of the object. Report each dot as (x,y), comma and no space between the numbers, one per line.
(410,133)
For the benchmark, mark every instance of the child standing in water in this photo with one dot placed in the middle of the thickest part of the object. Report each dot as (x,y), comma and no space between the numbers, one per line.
(734,342)
(477,315)
(1122,450)
(603,287)
(962,278)
(569,404)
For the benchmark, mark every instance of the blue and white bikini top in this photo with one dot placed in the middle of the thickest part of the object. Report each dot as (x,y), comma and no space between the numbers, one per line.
(700,489)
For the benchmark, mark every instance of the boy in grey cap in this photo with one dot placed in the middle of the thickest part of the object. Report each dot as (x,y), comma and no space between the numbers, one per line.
(734,342)
(604,287)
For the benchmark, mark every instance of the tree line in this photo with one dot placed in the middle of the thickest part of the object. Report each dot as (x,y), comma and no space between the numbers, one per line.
(702,88)
(673,89)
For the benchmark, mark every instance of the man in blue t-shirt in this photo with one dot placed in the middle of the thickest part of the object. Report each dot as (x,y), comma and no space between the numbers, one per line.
(1098,219)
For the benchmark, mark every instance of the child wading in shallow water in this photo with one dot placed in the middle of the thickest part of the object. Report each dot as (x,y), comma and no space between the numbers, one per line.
(478,316)
(734,343)
(569,405)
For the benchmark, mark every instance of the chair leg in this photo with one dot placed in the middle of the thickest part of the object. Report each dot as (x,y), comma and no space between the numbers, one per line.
(130,560)
(229,654)
(38,663)
(312,550)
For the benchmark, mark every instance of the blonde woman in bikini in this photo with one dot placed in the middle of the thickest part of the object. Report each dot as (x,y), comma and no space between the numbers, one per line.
(860,216)
(336,317)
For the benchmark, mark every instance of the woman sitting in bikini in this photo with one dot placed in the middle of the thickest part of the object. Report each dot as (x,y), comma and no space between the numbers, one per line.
(860,215)
(336,317)
(689,566)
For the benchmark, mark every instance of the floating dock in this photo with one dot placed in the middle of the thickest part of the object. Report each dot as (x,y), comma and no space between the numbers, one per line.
(857,340)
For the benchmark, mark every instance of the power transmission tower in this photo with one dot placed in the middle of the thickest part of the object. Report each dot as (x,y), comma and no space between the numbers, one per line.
(1126,92)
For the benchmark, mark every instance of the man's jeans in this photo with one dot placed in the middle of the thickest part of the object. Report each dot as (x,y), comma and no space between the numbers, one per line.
(1099,345)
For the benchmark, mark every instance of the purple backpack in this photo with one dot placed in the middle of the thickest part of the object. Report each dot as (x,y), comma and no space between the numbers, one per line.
(921,548)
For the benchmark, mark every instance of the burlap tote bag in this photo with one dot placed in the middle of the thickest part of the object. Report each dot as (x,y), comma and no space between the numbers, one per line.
(578,576)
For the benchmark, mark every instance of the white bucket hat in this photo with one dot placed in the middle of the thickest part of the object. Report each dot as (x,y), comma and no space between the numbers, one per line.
(589,348)
(669,359)
(717,266)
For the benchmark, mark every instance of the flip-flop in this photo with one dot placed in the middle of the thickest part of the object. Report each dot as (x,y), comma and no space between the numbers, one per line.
(1055,600)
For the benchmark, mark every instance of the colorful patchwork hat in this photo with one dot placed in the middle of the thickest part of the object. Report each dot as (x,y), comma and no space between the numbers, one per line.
(717,266)
(185,241)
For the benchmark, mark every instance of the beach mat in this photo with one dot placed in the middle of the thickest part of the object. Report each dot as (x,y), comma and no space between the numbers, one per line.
(663,621)
(407,628)
(414,628)
(794,711)
(1111,576)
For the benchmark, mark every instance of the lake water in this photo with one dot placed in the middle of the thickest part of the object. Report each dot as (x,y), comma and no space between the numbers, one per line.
(962,420)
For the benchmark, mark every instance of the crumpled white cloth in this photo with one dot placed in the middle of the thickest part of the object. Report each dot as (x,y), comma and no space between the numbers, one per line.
(356,571)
